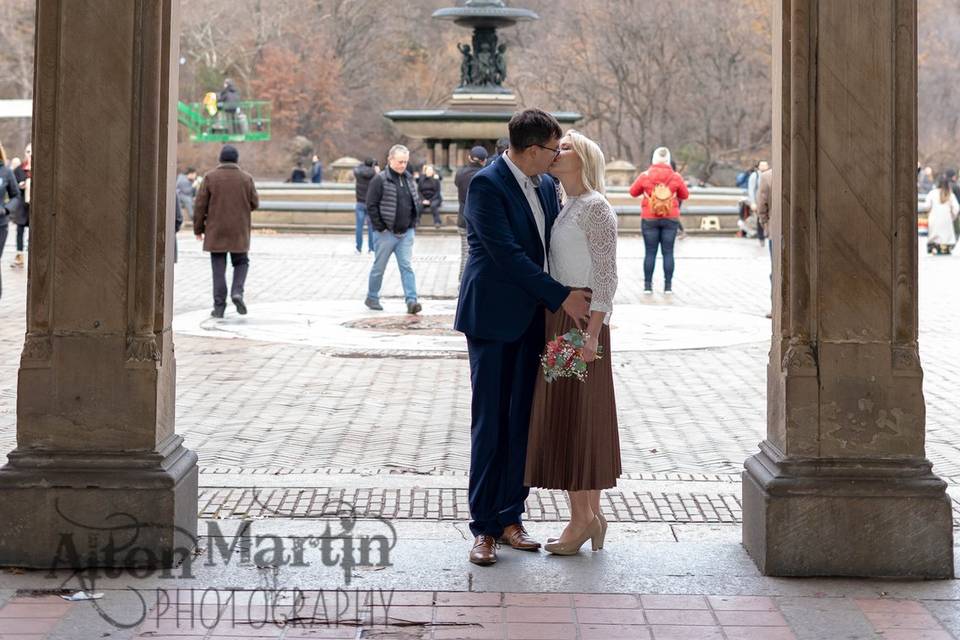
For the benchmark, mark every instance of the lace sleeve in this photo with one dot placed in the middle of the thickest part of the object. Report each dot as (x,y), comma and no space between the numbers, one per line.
(598,221)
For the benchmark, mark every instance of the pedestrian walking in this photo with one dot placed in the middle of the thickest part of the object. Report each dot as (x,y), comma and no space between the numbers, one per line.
(394,208)
(222,220)
(662,189)
(11,201)
(186,191)
(316,170)
(23,172)
(955,187)
(764,214)
(362,174)
(944,209)
(177,224)
(753,187)
(475,161)
(430,192)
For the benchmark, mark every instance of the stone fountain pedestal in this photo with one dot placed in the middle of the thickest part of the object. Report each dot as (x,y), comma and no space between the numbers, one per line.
(479,109)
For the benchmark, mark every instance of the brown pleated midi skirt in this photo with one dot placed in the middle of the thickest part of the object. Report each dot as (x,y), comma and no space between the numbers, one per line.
(574,443)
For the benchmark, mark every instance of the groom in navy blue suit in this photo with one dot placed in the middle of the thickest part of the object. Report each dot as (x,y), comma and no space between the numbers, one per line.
(509,212)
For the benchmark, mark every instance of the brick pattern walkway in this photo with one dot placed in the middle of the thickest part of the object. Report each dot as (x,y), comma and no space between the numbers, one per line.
(426,615)
(451,504)
(253,405)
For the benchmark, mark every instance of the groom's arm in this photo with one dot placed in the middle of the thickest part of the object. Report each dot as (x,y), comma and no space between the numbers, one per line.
(488,220)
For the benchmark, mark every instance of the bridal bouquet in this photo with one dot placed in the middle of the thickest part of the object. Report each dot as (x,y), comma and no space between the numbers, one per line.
(563,357)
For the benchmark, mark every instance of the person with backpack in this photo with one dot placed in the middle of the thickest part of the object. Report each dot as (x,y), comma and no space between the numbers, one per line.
(662,190)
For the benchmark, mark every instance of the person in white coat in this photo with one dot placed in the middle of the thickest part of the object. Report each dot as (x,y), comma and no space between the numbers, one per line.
(944,208)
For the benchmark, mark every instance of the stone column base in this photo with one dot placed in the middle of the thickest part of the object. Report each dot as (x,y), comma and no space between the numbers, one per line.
(78,510)
(865,518)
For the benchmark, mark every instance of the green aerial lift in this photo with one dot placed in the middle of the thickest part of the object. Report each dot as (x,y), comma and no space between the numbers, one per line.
(207,123)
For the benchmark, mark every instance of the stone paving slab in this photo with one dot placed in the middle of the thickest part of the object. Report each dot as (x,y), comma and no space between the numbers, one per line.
(649,580)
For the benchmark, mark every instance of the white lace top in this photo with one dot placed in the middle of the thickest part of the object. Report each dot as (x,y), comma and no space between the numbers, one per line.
(583,248)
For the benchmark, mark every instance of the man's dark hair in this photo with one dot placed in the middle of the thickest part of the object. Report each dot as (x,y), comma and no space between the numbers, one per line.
(190,170)
(369,162)
(502,145)
(951,174)
(531,127)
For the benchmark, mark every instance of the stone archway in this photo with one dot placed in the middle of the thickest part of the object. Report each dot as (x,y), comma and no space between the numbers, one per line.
(845,438)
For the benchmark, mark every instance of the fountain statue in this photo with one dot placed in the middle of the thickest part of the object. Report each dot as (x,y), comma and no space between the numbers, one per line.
(481,106)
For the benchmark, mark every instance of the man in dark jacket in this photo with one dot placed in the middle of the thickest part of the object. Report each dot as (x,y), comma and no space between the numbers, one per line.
(476,160)
(316,170)
(222,220)
(394,208)
(363,174)
(229,101)
(11,202)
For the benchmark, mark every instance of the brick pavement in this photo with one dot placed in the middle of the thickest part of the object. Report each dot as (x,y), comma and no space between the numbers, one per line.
(438,615)
(246,404)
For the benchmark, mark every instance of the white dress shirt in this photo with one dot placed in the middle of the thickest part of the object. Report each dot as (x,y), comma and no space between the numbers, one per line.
(529,189)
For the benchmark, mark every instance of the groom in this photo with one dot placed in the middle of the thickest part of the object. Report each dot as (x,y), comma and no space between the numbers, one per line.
(509,211)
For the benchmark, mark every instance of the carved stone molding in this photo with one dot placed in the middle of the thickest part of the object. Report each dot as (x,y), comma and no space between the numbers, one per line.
(799,359)
(906,360)
(142,349)
(37,349)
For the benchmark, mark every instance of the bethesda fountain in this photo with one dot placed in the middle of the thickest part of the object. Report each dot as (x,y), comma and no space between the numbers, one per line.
(479,109)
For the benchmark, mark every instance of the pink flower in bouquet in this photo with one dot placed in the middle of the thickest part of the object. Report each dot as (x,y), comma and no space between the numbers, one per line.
(563,357)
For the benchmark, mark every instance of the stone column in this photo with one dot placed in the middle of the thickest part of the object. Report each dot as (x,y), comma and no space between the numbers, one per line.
(96,445)
(446,155)
(841,485)
(437,154)
(454,157)
(431,151)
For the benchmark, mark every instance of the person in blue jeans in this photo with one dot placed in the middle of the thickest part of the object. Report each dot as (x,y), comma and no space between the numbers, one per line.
(393,205)
(363,173)
(662,190)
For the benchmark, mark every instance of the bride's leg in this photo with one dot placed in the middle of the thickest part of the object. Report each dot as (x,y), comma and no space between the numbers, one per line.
(581,515)
(595,501)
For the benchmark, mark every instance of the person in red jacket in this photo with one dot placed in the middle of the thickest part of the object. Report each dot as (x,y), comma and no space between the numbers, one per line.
(662,189)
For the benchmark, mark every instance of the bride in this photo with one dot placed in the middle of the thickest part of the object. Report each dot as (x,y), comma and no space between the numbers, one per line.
(573,442)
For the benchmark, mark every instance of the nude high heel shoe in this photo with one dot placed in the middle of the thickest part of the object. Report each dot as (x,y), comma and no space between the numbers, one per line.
(603,531)
(592,533)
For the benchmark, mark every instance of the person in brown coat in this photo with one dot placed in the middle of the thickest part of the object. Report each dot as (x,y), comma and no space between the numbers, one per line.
(221,219)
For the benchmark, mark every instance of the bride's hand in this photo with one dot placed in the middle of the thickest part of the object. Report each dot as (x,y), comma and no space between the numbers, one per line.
(590,349)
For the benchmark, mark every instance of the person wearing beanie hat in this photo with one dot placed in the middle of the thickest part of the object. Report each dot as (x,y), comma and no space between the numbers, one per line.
(475,161)
(662,190)
(229,153)
(222,221)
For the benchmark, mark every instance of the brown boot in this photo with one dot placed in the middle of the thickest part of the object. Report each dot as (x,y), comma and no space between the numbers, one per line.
(518,538)
(484,552)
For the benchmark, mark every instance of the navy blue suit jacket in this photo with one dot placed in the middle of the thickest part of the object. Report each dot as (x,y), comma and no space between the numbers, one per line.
(503,280)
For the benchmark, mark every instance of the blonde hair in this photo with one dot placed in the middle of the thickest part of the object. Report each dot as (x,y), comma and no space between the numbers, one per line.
(593,164)
(3,154)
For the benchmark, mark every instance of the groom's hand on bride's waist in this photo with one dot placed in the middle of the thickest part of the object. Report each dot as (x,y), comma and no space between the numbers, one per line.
(577,306)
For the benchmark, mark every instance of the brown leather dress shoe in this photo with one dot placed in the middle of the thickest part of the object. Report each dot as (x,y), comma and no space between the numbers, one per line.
(518,538)
(484,552)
